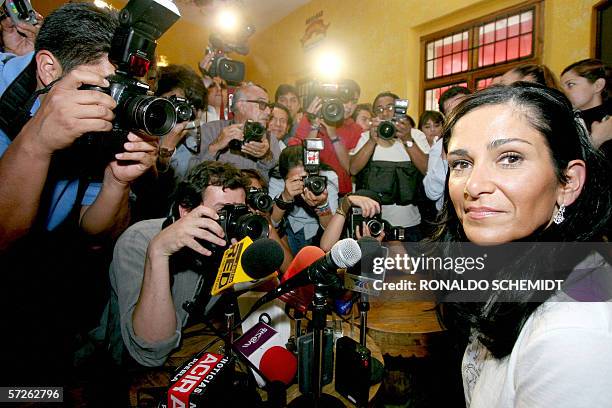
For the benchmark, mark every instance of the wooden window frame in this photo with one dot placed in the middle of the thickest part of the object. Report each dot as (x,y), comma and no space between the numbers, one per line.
(474,73)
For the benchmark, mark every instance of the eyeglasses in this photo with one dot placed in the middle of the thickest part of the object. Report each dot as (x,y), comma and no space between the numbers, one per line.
(262,104)
(381,109)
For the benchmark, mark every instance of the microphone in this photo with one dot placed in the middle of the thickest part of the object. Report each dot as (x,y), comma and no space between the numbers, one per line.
(344,254)
(300,298)
(246,264)
(361,277)
(279,366)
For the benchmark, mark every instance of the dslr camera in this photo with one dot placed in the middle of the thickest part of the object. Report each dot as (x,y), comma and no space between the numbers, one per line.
(314,181)
(141,23)
(356,220)
(258,199)
(334,96)
(20,11)
(238,222)
(230,70)
(387,128)
(184,110)
(252,131)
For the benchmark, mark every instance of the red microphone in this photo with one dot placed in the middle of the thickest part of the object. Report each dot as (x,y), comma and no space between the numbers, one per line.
(300,298)
(279,366)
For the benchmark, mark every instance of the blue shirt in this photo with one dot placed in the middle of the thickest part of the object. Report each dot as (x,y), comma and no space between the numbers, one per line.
(65,191)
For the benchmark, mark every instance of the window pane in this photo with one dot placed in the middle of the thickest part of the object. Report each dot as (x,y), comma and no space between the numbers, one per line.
(500,29)
(447,62)
(527,22)
(438,48)
(430,53)
(430,71)
(489,33)
(448,46)
(513,26)
(513,48)
(526,44)
(500,51)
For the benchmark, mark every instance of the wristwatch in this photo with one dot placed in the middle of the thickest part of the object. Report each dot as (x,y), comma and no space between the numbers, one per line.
(409,143)
(282,204)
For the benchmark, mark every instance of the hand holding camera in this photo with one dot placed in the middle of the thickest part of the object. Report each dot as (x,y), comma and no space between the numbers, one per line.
(257,149)
(139,156)
(314,200)
(66,113)
(229,133)
(19,36)
(294,185)
(199,224)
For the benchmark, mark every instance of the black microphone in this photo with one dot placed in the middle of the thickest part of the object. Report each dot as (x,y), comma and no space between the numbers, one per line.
(344,254)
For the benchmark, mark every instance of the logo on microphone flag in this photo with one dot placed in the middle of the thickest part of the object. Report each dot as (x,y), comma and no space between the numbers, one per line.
(230,269)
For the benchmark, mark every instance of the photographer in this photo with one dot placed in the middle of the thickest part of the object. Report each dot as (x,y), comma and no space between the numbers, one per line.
(393,167)
(338,138)
(287,95)
(42,209)
(336,227)
(305,212)
(149,285)
(250,103)
(279,124)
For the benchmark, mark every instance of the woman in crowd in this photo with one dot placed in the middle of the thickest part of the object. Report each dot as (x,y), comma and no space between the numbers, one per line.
(363,116)
(588,85)
(431,123)
(522,169)
(538,73)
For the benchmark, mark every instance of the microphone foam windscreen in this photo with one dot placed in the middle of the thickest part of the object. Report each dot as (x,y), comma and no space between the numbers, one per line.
(346,253)
(278,364)
(262,258)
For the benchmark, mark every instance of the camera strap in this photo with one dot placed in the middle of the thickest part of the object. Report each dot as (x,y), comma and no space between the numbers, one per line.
(16,101)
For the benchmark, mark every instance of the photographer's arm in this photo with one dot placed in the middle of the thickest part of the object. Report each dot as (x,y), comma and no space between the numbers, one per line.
(109,213)
(340,150)
(154,317)
(64,115)
(360,159)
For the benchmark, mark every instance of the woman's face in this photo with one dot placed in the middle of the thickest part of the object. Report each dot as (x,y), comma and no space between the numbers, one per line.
(582,93)
(363,119)
(502,181)
(433,130)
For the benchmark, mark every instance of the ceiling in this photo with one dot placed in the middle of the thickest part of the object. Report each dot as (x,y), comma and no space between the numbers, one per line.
(262,13)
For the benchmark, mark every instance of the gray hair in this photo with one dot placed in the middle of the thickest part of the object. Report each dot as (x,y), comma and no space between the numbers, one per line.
(240,91)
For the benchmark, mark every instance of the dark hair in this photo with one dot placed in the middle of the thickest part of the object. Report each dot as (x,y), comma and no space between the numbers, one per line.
(593,69)
(289,158)
(185,78)
(550,113)
(383,95)
(540,73)
(353,86)
(283,107)
(189,192)
(362,107)
(77,34)
(434,116)
(254,174)
(450,93)
(284,89)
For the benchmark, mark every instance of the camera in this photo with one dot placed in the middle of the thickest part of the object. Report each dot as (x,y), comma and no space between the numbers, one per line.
(183,109)
(334,96)
(313,182)
(228,69)
(252,131)
(238,222)
(141,23)
(356,219)
(387,129)
(258,199)
(20,11)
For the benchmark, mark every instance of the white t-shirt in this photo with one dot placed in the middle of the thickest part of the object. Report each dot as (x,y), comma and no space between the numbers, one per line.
(562,358)
(396,215)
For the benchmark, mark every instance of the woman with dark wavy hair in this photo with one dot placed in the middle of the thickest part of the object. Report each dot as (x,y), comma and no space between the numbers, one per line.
(522,169)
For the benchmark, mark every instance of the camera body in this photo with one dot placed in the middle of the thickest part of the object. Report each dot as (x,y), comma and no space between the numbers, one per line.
(334,96)
(387,128)
(228,69)
(356,219)
(238,222)
(314,181)
(252,132)
(20,11)
(183,109)
(258,199)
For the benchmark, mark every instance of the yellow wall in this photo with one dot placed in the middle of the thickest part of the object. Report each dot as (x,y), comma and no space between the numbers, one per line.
(379,40)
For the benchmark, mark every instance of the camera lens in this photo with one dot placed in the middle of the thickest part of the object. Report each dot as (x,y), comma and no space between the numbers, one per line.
(386,130)
(332,111)
(263,202)
(228,68)
(375,226)
(251,225)
(316,184)
(183,112)
(156,116)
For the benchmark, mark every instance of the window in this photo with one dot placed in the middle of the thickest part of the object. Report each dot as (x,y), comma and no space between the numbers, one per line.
(475,53)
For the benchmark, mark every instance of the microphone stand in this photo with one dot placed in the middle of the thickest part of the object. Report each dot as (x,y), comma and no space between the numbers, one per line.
(363,306)
(317,398)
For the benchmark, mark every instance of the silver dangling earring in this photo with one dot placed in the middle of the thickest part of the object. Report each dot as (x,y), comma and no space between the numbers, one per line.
(559,217)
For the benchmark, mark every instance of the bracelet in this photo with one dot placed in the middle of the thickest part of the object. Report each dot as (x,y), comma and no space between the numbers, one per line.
(282,204)
(323,209)
(314,128)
